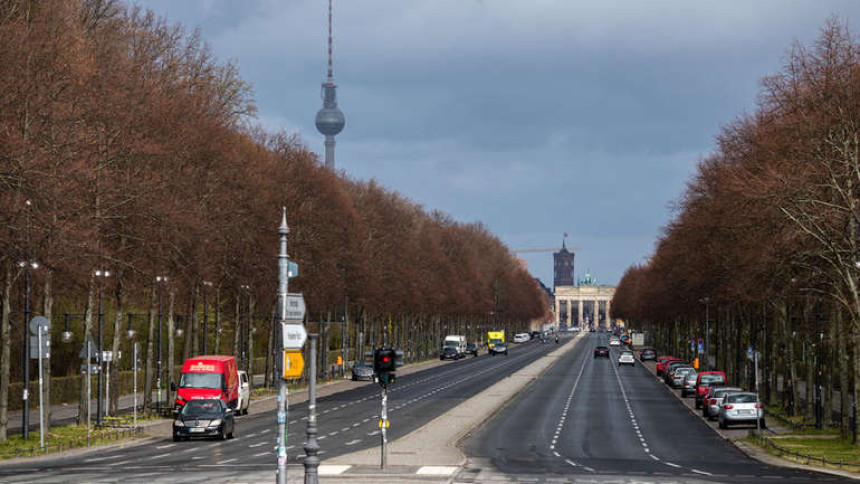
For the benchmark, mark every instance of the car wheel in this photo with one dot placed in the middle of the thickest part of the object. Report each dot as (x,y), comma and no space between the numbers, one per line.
(698,405)
(722,425)
(763,424)
(176,438)
(223,435)
(506,353)
(245,412)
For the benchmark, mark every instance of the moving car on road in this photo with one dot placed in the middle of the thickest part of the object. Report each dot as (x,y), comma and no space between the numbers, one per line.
(521,337)
(741,408)
(244,394)
(626,358)
(205,377)
(601,352)
(647,354)
(204,418)
(499,349)
(614,341)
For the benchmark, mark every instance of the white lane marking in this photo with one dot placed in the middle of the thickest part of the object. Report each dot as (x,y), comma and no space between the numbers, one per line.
(266,431)
(332,470)
(353,442)
(437,470)
(257,445)
(574,464)
(261,454)
(96,459)
(251,435)
(654,457)
(165,446)
(697,471)
(226,461)
(119,463)
(159,456)
(676,466)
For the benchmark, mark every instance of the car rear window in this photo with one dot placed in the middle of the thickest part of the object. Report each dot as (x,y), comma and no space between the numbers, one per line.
(709,379)
(741,398)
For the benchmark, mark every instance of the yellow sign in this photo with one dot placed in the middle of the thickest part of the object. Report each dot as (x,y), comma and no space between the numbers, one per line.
(383,423)
(339,360)
(696,364)
(294,364)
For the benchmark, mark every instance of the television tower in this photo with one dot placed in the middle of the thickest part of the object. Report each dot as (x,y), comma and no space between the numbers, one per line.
(330,120)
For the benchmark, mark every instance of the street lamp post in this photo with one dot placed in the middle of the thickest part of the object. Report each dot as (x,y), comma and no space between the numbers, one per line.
(158,379)
(100,357)
(707,302)
(819,411)
(25,347)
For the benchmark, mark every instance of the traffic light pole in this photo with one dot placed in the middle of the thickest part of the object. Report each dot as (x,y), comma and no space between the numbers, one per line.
(283,281)
(383,426)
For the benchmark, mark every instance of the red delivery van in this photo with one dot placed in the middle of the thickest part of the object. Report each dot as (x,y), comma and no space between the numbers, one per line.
(206,377)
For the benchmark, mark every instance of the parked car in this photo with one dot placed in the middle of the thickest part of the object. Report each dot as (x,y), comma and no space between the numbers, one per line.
(706,379)
(244,394)
(689,387)
(670,367)
(678,375)
(363,370)
(714,399)
(741,408)
(449,353)
(626,358)
(204,418)
(647,354)
(601,352)
(662,361)
(472,348)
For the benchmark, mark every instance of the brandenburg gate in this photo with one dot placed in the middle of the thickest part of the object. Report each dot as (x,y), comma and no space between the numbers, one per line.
(584,304)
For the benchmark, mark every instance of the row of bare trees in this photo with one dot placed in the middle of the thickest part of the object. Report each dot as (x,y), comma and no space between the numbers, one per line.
(127,148)
(767,237)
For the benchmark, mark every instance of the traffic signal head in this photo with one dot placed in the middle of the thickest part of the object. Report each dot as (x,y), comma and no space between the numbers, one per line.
(384,360)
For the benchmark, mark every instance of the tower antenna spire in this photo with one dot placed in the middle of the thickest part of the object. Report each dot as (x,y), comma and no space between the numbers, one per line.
(330,120)
(330,76)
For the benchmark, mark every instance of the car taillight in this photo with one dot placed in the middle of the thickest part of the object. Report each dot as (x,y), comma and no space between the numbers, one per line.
(728,407)
(713,401)
(758,405)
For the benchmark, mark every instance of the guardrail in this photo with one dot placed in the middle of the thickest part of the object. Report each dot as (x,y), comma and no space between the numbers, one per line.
(808,458)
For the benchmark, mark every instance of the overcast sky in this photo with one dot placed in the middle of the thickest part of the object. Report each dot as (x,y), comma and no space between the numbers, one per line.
(535,117)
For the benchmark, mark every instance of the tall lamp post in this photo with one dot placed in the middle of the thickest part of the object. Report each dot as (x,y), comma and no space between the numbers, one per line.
(26,266)
(707,302)
(100,409)
(161,280)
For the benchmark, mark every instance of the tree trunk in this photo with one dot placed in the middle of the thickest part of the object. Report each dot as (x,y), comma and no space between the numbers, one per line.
(5,349)
(195,333)
(237,330)
(218,328)
(150,342)
(844,382)
(249,360)
(186,331)
(171,335)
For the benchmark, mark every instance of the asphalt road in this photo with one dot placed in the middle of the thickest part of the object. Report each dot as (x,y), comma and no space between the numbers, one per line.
(589,420)
(347,421)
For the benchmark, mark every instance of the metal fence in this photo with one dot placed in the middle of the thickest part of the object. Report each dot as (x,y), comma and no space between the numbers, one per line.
(805,458)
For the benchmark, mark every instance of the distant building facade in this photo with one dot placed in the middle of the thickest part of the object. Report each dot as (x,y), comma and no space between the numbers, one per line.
(563,267)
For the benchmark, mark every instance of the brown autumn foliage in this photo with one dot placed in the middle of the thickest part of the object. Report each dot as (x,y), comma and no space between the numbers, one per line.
(125,146)
(766,235)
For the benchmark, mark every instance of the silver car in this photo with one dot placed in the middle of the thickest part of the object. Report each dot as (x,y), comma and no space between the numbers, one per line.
(678,375)
(711,408)
(689,387)
(740,408)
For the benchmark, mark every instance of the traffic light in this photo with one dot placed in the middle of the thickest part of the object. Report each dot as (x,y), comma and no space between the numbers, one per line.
(385,363)
(384,360)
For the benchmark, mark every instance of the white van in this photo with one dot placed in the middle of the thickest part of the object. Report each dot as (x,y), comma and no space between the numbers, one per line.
(522,337)
(457,342)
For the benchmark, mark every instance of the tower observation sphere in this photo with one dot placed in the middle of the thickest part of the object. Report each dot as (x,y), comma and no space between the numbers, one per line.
(330,120)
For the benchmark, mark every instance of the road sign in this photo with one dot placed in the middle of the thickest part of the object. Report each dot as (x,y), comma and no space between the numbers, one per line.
(295,310)
(94,369)
(39,321)
(107,356)
(92,347)
(292,269)
(34,346)
(294,364)
(294,336)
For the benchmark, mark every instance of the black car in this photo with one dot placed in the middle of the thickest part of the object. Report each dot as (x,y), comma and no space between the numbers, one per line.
(498,348)
(204,418)
(601,352)
(363,370)
(647,354)
(472,348)
(449,353)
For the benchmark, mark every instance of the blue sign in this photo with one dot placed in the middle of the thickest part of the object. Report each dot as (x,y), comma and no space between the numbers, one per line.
(701,345)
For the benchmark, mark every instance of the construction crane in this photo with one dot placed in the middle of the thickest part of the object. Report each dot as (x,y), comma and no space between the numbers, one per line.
(544,249)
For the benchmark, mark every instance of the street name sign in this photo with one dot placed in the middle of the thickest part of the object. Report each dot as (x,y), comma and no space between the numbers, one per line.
(294,336)
(294,364)
(39,322)
(295,310)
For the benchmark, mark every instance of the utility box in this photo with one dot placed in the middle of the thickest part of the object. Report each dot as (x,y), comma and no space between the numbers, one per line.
(638,339)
